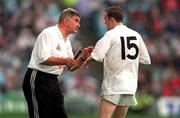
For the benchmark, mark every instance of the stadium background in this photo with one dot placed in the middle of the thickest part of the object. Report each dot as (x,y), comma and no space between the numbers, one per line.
(156,20)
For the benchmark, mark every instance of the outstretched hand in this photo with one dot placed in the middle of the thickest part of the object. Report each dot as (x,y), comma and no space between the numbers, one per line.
(82,58)
(87,52)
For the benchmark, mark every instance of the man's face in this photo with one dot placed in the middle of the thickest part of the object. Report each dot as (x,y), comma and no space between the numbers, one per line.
(73,24)
(107,21)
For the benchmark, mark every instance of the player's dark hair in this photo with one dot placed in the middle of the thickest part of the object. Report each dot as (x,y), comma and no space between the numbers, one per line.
(115,12)
(68,12)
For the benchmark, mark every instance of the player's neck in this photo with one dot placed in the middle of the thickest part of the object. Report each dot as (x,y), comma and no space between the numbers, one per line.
(120,23)
(116,24)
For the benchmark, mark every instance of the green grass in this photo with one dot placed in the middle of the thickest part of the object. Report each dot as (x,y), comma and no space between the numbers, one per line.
(13,115)
(129,115)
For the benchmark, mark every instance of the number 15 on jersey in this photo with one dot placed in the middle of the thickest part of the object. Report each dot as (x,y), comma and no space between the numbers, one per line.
(129,45)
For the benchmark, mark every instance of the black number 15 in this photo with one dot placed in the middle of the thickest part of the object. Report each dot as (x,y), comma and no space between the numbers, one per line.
(129,46)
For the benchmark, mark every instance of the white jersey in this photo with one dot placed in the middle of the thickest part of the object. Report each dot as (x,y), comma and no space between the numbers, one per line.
(122,49)
(50,43)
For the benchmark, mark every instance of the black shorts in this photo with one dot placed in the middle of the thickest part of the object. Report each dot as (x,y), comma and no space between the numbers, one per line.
(43,95)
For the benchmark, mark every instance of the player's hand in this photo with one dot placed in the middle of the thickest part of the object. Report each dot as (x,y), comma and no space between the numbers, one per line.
(87,52)
(69,62)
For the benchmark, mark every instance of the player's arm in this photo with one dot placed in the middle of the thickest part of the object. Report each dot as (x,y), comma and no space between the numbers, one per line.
(99,50)
(144,55)
(88,61)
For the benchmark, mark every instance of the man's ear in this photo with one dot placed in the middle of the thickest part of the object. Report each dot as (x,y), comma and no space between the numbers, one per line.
(112,19)
(66,21)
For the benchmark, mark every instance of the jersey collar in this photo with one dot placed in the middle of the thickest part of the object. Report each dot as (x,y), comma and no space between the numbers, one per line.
(60,34)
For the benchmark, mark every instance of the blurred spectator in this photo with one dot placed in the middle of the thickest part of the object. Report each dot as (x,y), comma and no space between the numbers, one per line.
(80,84)
(2,83)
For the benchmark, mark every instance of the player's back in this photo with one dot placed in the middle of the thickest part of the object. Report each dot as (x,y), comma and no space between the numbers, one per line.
(121,61)
(124,49)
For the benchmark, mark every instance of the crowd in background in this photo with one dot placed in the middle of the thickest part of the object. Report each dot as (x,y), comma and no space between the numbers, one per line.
(156,20)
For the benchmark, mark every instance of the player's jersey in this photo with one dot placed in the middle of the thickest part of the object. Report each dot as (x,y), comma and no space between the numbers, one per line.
(49,43)
(121,49)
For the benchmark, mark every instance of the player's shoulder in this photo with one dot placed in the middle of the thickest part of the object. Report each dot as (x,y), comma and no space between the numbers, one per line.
(48,32)
(49,29)
(133,32)
(111,32)
(122,30)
